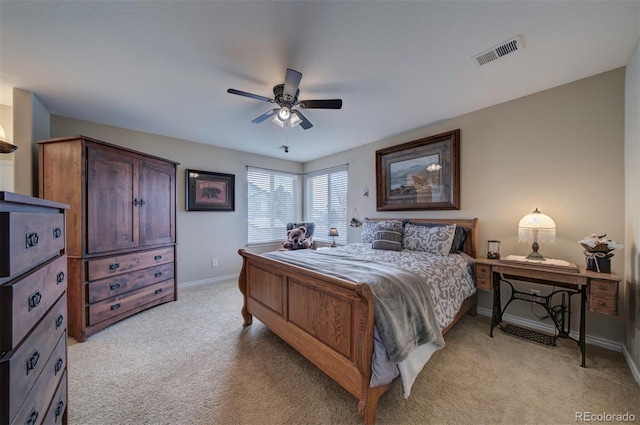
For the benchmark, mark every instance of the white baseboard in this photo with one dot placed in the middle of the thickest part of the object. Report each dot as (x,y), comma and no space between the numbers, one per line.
(207,281)
(550,329)
(632,366)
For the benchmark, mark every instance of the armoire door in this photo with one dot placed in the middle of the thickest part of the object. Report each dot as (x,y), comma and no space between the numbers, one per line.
(157,209)
(112,200)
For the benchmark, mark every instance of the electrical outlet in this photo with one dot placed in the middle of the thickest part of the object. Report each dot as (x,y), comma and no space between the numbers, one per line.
(214,262)
(534,292)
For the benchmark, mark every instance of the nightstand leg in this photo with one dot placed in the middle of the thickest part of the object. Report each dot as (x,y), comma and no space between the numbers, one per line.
(583,320)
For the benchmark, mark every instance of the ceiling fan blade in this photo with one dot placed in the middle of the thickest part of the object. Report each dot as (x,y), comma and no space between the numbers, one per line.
(321,104)
(265,116)
(251,95)
(305,124)
(291,83)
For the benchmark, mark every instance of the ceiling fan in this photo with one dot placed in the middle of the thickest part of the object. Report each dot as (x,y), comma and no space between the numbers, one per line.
(286,97)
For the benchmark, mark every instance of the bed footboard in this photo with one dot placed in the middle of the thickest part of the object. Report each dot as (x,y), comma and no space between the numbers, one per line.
(328,320)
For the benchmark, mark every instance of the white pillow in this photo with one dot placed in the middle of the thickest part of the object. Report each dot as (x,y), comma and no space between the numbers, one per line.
(435,240)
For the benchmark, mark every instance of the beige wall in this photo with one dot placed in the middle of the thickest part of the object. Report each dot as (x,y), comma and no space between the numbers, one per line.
(632,212)
(560,150)
(6,160)
(202,235)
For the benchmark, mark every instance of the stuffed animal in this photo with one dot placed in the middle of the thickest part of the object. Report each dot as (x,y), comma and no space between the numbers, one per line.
(297,239)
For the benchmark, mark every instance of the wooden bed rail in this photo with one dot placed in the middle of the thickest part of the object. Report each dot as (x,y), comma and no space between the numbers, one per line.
(328,320)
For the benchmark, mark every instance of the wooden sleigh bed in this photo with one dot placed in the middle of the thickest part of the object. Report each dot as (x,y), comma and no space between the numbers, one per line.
(328,320)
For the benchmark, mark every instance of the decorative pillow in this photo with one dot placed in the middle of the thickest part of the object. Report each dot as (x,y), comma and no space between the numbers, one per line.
(458,239)
(370,227)
(435,240)
(388,240)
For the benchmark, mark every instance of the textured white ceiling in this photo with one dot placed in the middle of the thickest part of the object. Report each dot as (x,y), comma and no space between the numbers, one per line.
(164,67)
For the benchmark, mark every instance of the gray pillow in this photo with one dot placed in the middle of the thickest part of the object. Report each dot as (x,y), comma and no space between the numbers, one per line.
(458,239)
(434,240)
(388,240)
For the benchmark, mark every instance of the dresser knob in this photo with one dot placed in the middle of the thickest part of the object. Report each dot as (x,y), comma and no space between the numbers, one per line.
(114,266)
(115,285)
(32,361)
(60,277)
(158,274)
(115,306)
(157,257)
(34,300)
(58,366)
(59,321)
(32,240)
(57,232)
(33,417)
(158,291)
(59,409)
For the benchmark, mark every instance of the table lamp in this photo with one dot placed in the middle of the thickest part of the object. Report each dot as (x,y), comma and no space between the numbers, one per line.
(333,232)
(536,227)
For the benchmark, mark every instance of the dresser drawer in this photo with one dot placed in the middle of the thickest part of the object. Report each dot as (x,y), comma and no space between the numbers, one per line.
(28,239)
(22,367)
(39,399)
(483,283)
(115,306)
(603,288)
(58,403)
(106,288)
(118,264)
(23,302)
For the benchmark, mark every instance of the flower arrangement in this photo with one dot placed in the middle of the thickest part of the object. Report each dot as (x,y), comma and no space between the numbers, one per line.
(595,243)
(597,250)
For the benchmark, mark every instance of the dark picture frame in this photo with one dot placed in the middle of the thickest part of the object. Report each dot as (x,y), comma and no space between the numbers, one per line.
(209,191)
(420,175)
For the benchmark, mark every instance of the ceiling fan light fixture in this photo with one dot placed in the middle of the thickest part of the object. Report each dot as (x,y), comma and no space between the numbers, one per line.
(284,114)
(293,120)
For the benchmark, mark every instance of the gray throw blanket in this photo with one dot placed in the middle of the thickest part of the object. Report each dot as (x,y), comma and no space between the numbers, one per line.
(404,313)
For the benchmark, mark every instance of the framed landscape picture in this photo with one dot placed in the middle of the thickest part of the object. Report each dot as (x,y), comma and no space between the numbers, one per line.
(420,175)
(207,191)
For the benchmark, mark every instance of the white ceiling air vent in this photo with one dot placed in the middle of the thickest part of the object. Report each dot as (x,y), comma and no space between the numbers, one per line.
(503,49)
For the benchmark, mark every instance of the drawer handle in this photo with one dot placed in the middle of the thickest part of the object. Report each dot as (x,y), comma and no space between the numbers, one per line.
(59,409)
(59,321)
(114,285)
(158,274)
(33,417)
(115,306)
(602,288)
(60,277)
(32,361)
(602,304)
(34,300)
(157,257)
(135,202)
(58,366)
(158,291)
(142,202)
(32,240)
(114,266)
(57,232)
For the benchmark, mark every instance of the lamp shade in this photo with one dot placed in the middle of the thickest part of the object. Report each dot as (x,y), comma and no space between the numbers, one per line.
(5,146)
(537,227)
(333,232)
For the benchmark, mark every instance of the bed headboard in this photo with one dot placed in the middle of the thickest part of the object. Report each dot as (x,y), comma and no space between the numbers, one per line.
(471,224)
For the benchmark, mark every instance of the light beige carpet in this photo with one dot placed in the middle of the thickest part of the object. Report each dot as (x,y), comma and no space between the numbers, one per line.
(192,362)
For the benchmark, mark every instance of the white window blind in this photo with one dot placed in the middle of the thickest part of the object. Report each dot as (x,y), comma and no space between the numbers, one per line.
(273,202)
(326,202)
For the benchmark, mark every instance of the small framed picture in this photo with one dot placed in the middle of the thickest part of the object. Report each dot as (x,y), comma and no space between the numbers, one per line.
(208,191)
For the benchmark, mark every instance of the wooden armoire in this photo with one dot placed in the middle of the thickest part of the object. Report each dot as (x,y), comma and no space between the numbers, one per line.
(121,228)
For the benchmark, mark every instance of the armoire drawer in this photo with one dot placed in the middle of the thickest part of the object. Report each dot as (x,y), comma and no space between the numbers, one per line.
(37,402)
(100,268)
(23,367)
(26,300)
(115,306)
(28,239)
(99,290)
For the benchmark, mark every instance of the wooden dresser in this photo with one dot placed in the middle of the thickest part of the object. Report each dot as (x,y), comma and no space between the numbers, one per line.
(121,228)
(33,311)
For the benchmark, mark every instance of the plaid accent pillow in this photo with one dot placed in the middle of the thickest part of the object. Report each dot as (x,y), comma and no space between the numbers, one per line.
(388,240)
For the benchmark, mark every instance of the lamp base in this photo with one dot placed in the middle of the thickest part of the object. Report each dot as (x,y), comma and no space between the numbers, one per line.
(535,256)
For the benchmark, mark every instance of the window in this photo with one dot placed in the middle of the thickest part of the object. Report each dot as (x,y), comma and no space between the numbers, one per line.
(326,202)
(272,203)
